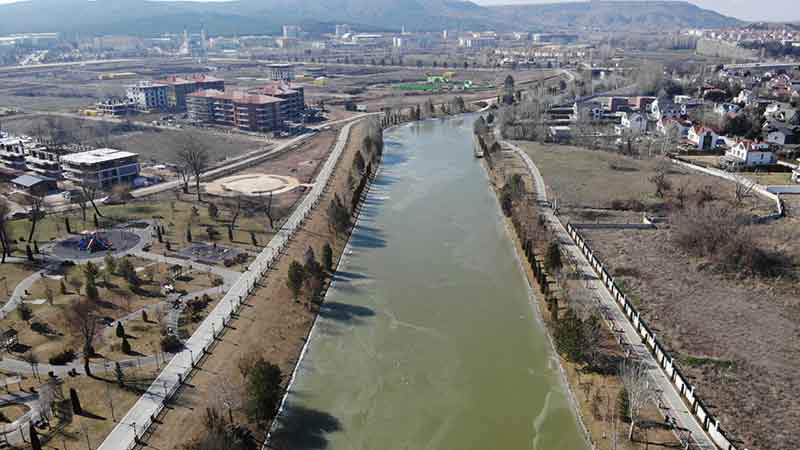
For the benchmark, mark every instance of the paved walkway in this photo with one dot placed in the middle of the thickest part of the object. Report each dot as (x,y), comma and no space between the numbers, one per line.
(670,397)
(137,420)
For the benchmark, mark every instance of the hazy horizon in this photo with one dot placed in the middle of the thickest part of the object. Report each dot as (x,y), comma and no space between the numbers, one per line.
(750,10)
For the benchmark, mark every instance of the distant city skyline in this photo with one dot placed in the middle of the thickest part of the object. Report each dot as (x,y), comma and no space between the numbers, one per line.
(753,10)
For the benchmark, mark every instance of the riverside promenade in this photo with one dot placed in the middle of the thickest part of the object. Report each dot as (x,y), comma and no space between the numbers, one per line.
(672,404)
(139,418)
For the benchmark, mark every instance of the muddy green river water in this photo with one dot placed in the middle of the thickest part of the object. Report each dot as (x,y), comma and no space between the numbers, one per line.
(429,338)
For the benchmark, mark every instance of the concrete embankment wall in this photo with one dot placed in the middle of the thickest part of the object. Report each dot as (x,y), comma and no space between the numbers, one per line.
(665,360)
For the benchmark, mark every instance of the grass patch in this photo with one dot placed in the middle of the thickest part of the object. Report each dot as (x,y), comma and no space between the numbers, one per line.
(702,361)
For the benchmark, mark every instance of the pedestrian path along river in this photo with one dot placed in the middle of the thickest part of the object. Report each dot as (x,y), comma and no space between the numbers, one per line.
(428,338)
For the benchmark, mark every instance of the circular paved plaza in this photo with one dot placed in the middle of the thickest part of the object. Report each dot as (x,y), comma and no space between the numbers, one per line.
(252,184)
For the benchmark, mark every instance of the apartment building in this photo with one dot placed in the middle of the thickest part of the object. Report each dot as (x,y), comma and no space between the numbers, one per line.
(102,167)
(281,72)
(239,109)
(12,154)
(45,160)
(179,87)
(116,107)
(149,96)
(293,105)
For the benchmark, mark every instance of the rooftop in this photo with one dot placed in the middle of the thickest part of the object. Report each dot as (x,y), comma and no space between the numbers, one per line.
(30,180)
(274,89)
(237,96)
(96,156)
(197,78)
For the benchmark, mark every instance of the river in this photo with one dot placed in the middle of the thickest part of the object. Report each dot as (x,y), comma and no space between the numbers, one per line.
(428,338)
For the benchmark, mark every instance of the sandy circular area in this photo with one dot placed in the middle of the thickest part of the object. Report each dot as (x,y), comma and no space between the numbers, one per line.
(252,184)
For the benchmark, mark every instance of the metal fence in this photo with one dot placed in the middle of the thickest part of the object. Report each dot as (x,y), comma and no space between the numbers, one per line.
(666,361)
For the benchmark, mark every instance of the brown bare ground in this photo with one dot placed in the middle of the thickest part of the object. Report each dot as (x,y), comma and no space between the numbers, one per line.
(735,338)
(272,325)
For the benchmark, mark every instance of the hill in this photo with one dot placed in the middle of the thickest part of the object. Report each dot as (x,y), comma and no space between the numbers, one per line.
(616,15)
(144,17)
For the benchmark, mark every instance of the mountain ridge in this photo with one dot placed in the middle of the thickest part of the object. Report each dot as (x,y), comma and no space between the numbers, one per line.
(141,17)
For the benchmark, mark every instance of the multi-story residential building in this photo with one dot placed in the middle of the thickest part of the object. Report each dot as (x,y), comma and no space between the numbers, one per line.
(281,72)
(250,112)
(102,167)
(293,106)
(179,87)
(148,95)
(45,160)
(116,107)
(12,154)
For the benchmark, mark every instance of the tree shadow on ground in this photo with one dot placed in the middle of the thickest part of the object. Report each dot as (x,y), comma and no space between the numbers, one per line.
(300,428)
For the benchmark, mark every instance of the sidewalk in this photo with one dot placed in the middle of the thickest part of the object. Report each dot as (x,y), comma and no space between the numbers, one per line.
(144,412)
(672,404)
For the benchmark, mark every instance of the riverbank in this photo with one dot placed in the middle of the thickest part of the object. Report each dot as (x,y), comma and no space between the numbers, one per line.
(272,324)
(594,393)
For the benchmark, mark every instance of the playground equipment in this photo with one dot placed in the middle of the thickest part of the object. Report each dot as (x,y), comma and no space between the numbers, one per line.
(92,241)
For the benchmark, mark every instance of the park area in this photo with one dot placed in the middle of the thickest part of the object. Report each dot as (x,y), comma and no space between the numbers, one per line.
(716,279)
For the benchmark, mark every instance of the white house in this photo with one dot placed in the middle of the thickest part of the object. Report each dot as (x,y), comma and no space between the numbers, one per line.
(702,138)
(748,154)
(746,97)
(662,108)
(678,127)
(631,124)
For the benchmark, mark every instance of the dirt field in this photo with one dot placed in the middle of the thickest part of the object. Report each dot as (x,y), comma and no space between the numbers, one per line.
(272,325)
(735,337)
(153,145)
(599,180)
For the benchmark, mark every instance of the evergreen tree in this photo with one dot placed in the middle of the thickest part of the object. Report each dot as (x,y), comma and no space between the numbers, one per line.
(297,275)
(263,391)
(327,257)
(120,330)
(188,234)
(91,291)
(110,263)
(552,258)
(119,374)
(623,405)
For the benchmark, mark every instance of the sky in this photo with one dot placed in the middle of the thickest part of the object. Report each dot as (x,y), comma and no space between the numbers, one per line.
(768,10)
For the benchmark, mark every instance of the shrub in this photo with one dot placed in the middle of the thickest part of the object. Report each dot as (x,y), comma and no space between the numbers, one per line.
(25,312)
(63,358)
(171,344)
(725,237)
